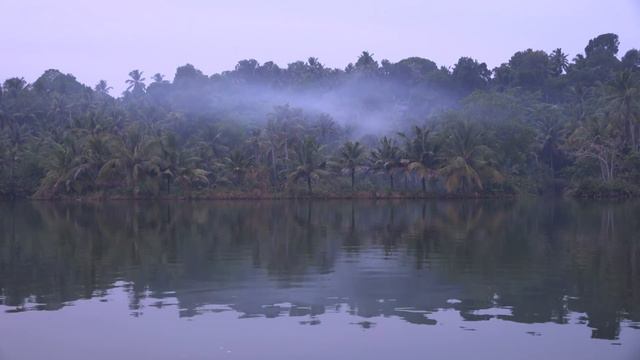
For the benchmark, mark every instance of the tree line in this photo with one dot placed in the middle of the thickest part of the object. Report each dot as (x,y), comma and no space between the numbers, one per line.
(538,123)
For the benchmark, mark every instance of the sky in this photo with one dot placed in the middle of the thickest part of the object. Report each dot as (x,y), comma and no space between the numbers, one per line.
(103,39)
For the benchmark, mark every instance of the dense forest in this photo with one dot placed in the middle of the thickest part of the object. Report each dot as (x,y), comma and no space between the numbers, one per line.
(539,123)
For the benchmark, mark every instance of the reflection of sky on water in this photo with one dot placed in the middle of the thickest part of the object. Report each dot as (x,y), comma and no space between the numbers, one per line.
(107,331)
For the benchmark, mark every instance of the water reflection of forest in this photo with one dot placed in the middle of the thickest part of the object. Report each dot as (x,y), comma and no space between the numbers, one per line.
(541,259)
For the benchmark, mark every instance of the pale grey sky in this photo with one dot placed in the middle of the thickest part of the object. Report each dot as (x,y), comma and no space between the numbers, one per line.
(105,39)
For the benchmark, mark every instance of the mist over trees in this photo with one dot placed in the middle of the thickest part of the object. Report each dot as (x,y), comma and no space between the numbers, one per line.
(538,123)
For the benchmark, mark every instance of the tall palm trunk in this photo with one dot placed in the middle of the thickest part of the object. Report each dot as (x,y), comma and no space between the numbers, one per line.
(423,182)
(637,132)
(273,165)
(630,128)
(391,180)
(12,180)
(309,183)
(353,178)
(286,152)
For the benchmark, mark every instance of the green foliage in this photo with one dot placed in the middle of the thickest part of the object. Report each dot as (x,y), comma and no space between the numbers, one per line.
(309,163)
(467,162)
(351,155)
(602,189)
(386,158)
(536,123)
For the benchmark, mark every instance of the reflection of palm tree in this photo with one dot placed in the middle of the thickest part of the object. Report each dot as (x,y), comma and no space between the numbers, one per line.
(471,243)
(352,239)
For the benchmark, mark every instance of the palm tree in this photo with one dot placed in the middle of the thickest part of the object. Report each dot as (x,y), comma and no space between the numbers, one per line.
(62,164)
(550,131)
(186,171)
(188,174)
(285,124)
(102,87)
(15,141)
(238,163)
(386,157)
(95,153)
(135,156)
(158,78)
(421,154)
(366,63)
(136,83)
(171,157)
(465,159)
(351,155)
(258,145)
(325,127)
(179,164)
(624,99)
(310,164)
(558,62)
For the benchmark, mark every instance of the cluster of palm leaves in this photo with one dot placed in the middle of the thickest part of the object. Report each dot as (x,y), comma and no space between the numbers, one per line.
(132,160)
(142,162)
(457,158)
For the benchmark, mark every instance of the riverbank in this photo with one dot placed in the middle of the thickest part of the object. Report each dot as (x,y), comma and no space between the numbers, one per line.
(257,195)
(586,191)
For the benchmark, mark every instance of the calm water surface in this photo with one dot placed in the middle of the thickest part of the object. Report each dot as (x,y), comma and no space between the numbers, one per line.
(528,279)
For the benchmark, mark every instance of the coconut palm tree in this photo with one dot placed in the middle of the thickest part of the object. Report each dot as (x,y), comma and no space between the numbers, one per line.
(102,87)
(421,154)
(325,128)
(180,165)
(550,130)
(237,164)
(61,164)
(188,175)
(386,158)
(558,62)
(624,99)
(465,159)
(310,164)
(135,155)
(136,82)
(350,157)
(158,78)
